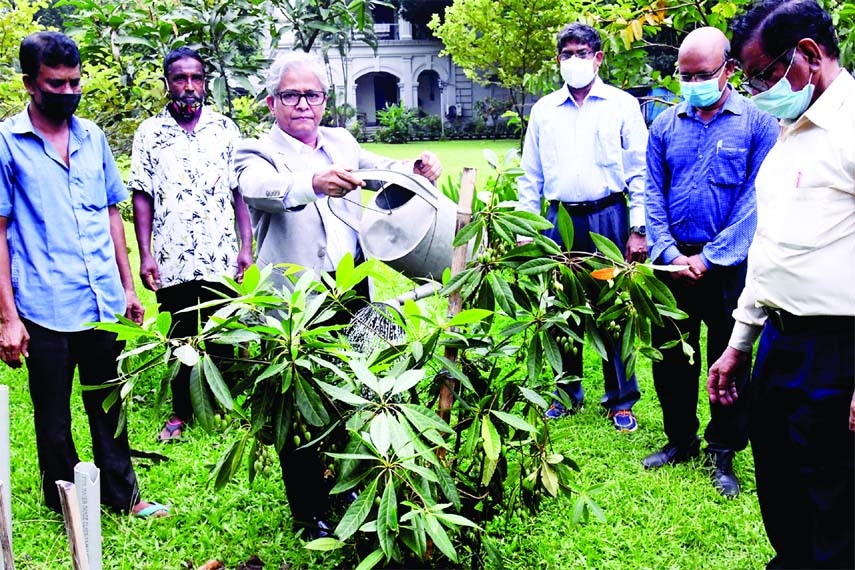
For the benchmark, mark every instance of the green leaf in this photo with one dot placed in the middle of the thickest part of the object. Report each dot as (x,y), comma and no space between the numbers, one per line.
(357,512)
(203,411)
(310,403)
(448,485)
(515,422)
(491,439)
(342,395)
(468,232)
(371,560)
(440,537)
(469,316)
(188,355)
(387,519)
(533,397)
(553,353)
(407,380)
(658,290)
(503,294)
(216,384)
(549,479)
(456,520)
(424,418)
(565,228)
(607,248)
(324,544)
(537,266)
(229,462)
(164,323)
(379,431)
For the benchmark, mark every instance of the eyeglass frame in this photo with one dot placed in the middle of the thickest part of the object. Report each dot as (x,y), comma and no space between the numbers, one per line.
(301,95)
(702,75)
(748,83)
(565,55)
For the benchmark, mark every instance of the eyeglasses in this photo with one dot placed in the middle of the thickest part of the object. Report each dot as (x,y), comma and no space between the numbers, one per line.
(759,82)
(292,98)
(564,55)
(702,75)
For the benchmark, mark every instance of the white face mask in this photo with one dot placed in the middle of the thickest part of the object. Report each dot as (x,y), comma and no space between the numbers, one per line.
(578,72)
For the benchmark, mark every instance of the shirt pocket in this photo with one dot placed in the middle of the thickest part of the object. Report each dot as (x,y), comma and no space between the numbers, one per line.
(728,167)
(608,147)
(90,186)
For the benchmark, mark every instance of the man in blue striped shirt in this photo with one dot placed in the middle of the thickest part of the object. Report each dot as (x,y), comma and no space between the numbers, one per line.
(702,157)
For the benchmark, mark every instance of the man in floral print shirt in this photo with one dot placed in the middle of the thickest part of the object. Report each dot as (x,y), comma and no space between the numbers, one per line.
(185,197)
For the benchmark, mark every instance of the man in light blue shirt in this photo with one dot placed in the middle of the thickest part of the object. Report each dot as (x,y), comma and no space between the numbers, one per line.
(702,157)
(584,150)
(63,266)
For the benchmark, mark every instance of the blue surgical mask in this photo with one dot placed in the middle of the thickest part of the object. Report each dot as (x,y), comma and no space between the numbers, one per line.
(701,93)
(781,101)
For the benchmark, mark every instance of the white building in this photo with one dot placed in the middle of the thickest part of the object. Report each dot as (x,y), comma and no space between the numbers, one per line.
(404,70)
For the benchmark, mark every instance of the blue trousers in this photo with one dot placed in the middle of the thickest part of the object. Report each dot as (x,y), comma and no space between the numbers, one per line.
(621,391)
(803,449)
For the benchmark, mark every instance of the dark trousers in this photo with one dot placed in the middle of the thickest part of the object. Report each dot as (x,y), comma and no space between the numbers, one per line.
(803,449)
(621,392)
(710,301)
(303,469)
(176,298)
(53,356)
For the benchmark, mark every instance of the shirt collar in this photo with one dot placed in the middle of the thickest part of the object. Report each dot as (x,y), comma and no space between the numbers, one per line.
(599,90)
(205,118)
(735,105)
(21,124)
(824,112)
(297,146)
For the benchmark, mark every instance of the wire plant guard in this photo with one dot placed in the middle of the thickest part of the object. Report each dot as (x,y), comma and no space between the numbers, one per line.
(408,224)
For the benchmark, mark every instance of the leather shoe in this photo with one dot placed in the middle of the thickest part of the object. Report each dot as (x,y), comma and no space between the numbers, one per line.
(722,475)
(673,454)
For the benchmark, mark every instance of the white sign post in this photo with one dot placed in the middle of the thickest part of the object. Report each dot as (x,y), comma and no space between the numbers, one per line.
(87,481)
(5,487)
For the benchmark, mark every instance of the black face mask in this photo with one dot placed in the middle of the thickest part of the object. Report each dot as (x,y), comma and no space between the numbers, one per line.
(58,106)
(186,107)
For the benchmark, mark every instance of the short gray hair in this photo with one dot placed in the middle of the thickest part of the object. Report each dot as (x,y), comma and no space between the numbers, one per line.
(289,60)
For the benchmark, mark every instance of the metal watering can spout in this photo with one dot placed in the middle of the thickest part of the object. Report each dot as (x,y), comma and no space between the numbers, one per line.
(408,224)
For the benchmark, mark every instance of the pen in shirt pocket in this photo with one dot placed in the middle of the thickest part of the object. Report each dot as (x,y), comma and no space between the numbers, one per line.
(798,179)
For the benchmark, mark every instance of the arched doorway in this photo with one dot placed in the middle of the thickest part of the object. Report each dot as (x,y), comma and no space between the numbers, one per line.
(373,92)
(430,93)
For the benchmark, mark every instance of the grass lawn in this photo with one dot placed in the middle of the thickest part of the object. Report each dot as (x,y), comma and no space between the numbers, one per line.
(455,155)
(672,518)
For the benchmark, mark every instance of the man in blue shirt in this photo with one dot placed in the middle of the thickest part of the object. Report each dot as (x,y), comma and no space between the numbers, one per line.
(64,265)
(584,148)
(702,157)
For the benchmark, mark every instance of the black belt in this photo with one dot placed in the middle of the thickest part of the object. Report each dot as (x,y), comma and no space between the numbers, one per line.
(585,208)
(690,249)
(789,323)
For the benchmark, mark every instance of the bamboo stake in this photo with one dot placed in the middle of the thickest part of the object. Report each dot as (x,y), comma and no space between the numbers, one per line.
(458,264)
(73,524)
(7,562)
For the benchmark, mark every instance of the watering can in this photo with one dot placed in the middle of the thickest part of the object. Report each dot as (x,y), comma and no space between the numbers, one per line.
(408,224)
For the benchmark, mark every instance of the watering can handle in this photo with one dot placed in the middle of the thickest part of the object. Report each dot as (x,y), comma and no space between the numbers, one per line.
(415,183)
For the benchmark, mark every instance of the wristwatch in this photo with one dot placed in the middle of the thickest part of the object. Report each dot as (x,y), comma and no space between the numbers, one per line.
(640,230)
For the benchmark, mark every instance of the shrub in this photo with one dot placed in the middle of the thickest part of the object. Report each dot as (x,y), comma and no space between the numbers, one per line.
(396,124)
(444,421)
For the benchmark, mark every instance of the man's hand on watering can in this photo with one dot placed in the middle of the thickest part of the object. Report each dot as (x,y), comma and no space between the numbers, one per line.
(335,182)
(428,165)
